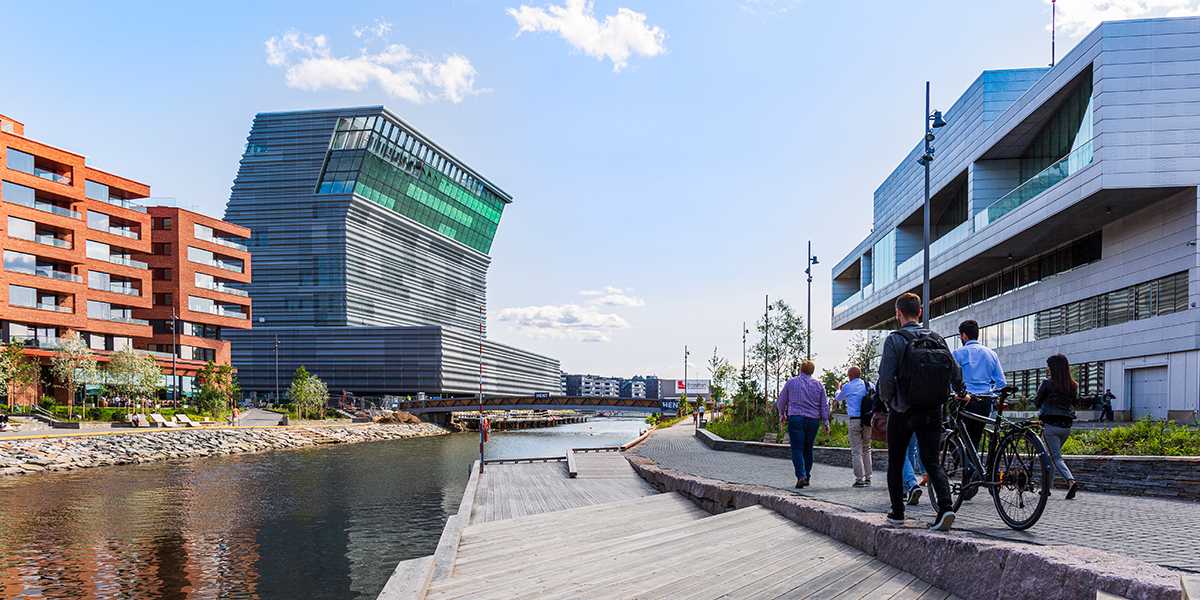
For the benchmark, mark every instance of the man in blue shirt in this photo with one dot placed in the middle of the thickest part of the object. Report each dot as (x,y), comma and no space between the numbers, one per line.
(981,373)
(852,393)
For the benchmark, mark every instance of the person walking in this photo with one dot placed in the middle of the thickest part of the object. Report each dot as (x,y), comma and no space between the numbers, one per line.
(803,408)
(916,375)
(1106,412)
(982,376)
(1055,398)
(856,394)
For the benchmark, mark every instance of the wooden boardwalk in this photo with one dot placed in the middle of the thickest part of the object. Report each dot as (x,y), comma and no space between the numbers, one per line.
(531,532)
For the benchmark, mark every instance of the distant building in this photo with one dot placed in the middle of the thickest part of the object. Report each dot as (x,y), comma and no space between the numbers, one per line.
(593,386)
(371,246)
(633,388)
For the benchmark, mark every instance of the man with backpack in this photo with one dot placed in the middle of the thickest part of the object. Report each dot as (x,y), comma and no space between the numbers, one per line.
(859,399)
(916,375)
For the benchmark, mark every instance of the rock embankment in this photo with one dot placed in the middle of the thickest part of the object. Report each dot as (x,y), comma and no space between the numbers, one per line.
(18,457)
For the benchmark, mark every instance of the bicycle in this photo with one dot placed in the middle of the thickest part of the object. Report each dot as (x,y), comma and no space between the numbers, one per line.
(1018,472)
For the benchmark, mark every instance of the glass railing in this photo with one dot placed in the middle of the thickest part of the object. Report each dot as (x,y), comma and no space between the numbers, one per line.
(52,176)
(129,262)
(845,305)
(50,240)
(228,243)
(1065,167)
(32,342)
(52,307)
(120,319)
(912,263)
(129,233)
(123,203)
(951,239)
(56,274)
(236,314)
(46,207)
(216,287)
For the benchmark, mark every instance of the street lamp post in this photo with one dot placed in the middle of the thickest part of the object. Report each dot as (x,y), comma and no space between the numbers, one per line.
(174,357)
(931,121)
(811,260)
(277,368)
(744,332)
(766,349)
(683,401)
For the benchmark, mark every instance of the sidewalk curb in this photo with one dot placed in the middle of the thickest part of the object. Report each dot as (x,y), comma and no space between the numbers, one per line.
(994,568)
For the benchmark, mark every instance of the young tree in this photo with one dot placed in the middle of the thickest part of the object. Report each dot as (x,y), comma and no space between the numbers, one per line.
(71,365)
(308,393)
(864,352)
(721,374)
(133,376)
(832,380)
(786,345)
(16,370)
(218,388)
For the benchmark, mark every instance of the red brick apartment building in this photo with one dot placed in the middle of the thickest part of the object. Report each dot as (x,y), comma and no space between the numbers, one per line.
(82,253)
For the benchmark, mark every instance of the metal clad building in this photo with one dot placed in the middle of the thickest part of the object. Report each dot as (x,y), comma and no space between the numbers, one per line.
(374,259)
(1064,212)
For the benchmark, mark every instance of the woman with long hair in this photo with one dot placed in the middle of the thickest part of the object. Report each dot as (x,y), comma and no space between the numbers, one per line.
(1055,401)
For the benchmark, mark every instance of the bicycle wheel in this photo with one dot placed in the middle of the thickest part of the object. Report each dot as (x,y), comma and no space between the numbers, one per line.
(1021,473)
(951,458)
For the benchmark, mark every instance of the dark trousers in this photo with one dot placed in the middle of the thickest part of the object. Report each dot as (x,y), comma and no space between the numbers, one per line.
(802,435)
(980,406)
(927,426)
(1107,413)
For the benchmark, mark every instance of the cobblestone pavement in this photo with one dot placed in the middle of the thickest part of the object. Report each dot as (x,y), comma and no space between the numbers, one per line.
(1164,532)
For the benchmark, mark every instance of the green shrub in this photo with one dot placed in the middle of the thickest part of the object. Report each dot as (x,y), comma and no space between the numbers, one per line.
(1143,438)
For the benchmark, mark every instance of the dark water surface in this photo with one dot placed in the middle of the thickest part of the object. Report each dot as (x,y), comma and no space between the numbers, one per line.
(327,522)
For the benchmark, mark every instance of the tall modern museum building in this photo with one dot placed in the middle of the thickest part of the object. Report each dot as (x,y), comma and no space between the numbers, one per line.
(371,249)
(1064,218)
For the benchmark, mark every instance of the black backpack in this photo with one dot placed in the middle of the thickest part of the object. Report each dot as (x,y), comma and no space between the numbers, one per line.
(870,402)
(926,369)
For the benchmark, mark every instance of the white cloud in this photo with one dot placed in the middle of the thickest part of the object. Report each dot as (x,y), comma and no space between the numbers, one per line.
(563,321)
(613,296)
(1078,17)
(617,38)
(310,64)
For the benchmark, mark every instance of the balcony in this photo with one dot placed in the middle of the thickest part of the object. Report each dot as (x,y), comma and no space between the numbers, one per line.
(43,343)
(45,207)
(45,306)
(123,203)
(117,259)
(220,264)
(52,273)
(45,240)
(129,233)
(224,289)
(220,312)
(1077,160)
(52,176)
(220,241)
(119,319)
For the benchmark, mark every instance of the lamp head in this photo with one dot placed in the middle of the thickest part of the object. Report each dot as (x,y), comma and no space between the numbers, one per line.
(938,121)
(815,261)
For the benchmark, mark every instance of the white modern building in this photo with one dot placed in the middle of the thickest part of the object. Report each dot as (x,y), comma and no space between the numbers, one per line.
(1064,219)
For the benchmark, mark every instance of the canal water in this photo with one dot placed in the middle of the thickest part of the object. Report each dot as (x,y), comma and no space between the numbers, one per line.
(327,522)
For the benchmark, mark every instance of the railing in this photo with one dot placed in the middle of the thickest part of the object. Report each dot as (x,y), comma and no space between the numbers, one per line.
(1032,187)
(50,240)
(129,233)
(911,264)
(54,274)
(228,243)
(32,342)
(46,207)
(220,265)
(845,305)
(236,314)
(52,176)
(216,287)
(123,203)
(118,319)
(951,239)
(129,262)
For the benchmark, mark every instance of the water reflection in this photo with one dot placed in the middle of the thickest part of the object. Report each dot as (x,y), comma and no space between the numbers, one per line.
(317,523)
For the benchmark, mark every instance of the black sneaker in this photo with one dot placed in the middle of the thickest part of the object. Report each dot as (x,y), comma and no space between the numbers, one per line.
(943,522)
(859,483)
(867,482)
(914,495)
(1071,489)
(895,518)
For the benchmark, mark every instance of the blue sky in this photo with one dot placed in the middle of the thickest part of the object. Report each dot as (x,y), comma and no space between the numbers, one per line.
(669,160)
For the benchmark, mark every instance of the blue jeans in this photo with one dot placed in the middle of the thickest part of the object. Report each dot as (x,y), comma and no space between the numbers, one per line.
(912,464)
(802,434)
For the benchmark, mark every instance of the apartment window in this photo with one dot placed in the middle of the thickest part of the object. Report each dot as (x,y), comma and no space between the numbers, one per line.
(199,255)
(201,304)
(21,229)
(97,341)
(98,250)
(161,274)
(203,232)
(95,191)
(18,194)
(22,296)
(20,161)
(162,223)
(98,220)
(161,248)
(19,262)
(162,299)
(98,310)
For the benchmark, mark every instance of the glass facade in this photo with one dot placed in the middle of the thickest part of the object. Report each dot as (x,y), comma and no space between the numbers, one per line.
(380,161)
(883,260)
(1089,376)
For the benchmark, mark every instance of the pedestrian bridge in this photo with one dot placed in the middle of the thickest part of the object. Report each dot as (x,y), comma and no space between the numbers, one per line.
(446,405)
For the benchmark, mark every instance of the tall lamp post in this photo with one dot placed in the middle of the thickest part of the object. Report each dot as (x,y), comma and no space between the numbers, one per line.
(812,260)
(744,332)
(174,357)
(683,402)
(932,120)
(766,349)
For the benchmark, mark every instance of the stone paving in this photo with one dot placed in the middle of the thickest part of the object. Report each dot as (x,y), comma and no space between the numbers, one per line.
(1163,532)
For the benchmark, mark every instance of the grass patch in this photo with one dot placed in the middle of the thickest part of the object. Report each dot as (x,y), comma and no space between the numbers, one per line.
(756,429)
(1143,438)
